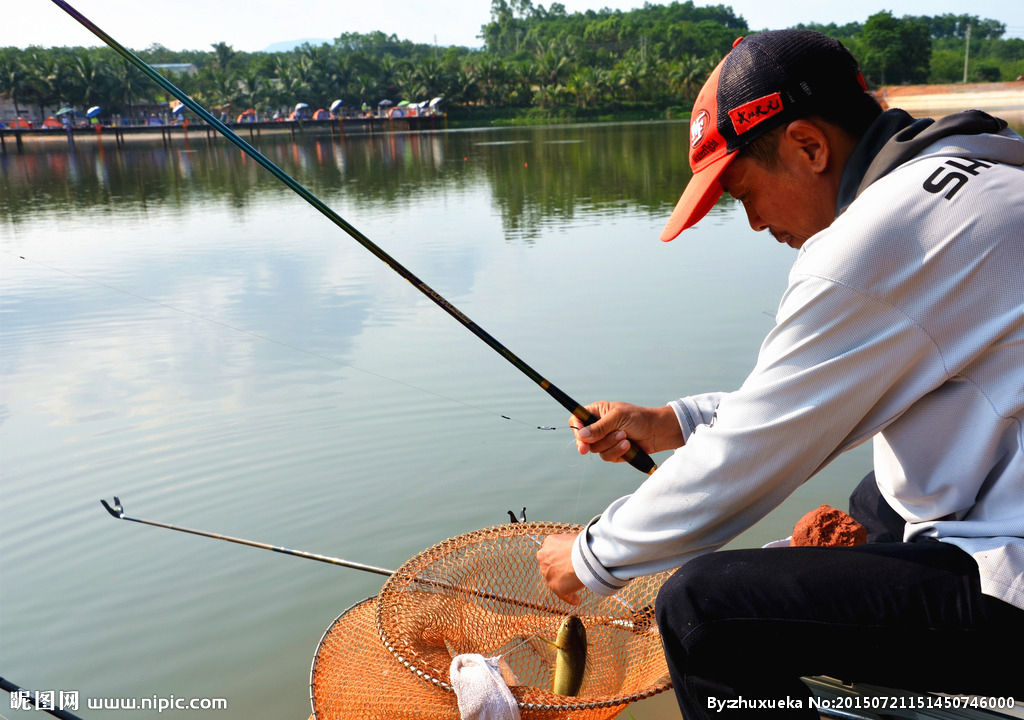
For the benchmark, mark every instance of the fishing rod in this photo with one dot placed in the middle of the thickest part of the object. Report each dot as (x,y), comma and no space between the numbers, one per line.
(117,512)
(634,456)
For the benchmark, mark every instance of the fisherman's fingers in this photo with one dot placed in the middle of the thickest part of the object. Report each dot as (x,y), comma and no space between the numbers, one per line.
(610,435)
(554,560)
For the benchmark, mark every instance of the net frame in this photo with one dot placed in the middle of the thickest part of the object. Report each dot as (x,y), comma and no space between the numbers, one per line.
(369,668)
(353,676)
(492,572)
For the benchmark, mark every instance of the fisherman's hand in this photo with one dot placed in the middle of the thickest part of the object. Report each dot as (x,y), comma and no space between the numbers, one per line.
(555,562)
(652,428)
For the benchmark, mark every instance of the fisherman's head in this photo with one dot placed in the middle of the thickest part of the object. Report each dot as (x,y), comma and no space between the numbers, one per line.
(779,113)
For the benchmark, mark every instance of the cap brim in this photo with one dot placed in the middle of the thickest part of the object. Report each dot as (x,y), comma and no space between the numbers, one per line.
(700,195)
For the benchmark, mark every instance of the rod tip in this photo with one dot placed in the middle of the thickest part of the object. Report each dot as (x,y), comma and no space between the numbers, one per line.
(117,511)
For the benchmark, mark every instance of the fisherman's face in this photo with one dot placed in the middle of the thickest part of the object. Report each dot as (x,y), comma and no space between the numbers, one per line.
(793,198)
(774,199)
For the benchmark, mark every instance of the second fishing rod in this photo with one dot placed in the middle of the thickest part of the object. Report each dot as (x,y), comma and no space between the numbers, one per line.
(635,456)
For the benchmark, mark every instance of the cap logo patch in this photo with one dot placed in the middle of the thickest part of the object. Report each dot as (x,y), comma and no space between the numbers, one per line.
(754,112)
(697,128)
(709,147)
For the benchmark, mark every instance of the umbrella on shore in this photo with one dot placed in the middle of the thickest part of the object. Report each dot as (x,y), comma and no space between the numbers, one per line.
(335,105)
(385,102)
(300,106)
(93,111)
(65,110)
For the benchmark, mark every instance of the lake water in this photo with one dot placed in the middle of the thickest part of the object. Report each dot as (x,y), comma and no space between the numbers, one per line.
(182,331)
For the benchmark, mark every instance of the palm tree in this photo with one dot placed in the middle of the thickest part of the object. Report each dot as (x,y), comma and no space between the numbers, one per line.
(217,88)
(549,96)
(92,80)
(127,84)
(252,86)
(319,68)
(552,66)
(293,80)
(277,88)
(589,85)
(429,78)
(388,69)
(366,89)
(493,74)
(465,85)
(687,75)
(406,80)
(518,87)
(14,81)
(223,55)
(631,74)
(47,79)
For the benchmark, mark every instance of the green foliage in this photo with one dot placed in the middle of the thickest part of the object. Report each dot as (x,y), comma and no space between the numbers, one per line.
(955,26)
(896,50)
(535,63)
(892,50)
(947,66)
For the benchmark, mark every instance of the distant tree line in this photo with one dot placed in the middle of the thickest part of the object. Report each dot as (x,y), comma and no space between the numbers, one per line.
(535,61)
(920,49)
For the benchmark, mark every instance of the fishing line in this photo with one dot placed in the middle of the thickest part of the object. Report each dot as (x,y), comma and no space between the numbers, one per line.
(634,456)
(280,343)
(528,639)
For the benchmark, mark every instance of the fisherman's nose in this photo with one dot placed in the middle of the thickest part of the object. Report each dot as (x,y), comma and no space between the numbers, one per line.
(756,223)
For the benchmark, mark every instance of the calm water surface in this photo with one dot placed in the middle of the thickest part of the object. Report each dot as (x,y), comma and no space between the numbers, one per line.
(182,331)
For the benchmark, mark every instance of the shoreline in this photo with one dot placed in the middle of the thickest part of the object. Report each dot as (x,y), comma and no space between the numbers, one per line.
(1005,99)
(15,139)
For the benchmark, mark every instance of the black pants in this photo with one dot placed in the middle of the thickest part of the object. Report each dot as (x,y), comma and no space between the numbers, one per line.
(747,624)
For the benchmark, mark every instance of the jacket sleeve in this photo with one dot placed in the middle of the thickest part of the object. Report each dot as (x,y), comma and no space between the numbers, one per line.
(694,411)
(837,368)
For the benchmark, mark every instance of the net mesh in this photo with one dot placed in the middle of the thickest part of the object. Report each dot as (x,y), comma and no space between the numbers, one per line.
(388,657)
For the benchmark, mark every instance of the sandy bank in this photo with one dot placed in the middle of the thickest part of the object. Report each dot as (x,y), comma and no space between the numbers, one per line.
(1005,99)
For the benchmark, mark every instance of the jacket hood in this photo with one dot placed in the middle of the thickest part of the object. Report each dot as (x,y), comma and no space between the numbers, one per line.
(896,137)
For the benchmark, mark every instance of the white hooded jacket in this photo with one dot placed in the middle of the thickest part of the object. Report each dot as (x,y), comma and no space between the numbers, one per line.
(903,322)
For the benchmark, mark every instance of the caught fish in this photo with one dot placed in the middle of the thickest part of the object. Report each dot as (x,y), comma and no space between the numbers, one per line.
(570,657)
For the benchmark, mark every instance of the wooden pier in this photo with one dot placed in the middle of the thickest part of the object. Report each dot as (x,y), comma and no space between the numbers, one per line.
(16,138)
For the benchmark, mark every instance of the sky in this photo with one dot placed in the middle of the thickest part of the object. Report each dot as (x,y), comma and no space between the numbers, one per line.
(253,25)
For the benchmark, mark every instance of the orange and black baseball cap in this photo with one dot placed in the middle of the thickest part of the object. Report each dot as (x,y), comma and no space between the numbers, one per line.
(765,80)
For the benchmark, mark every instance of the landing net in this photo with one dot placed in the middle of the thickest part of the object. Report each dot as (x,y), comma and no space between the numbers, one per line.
(388,657)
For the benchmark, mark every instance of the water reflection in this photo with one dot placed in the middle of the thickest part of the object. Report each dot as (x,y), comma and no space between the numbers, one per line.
(536,176)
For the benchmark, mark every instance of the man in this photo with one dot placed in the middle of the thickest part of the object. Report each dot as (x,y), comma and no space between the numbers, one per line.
(903,322)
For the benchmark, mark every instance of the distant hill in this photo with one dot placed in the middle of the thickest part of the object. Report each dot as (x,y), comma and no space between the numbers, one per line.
(292,44)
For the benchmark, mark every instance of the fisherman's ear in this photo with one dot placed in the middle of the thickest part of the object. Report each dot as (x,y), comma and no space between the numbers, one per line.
(808,144)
